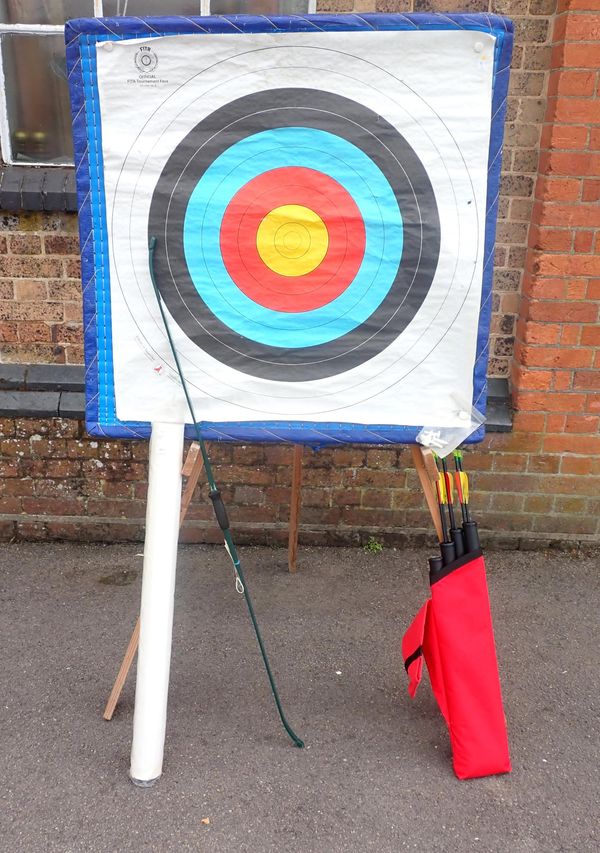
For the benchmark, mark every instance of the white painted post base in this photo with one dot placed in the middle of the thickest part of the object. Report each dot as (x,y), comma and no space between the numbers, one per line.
(156,611)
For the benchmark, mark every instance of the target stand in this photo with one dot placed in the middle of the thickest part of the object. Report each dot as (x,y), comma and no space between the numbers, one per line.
(320,193)
(192,471)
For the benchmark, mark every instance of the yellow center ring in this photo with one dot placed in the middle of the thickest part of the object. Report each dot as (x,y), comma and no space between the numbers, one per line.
(292,240)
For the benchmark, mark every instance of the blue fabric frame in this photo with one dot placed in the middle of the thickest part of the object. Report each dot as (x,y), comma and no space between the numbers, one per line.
(80,36)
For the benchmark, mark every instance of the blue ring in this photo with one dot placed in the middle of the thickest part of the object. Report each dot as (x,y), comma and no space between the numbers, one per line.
(360,177)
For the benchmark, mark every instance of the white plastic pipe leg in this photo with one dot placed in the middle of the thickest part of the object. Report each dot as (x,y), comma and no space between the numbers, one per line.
(156,611)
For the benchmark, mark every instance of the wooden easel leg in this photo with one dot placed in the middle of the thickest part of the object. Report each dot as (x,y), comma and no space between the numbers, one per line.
(192,468)
(295,501)
(428,475)
(121,678)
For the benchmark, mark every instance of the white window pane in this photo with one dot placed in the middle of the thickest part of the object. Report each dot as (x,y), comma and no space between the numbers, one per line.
(259,7)
(150,8)
(44,11)
(37,98)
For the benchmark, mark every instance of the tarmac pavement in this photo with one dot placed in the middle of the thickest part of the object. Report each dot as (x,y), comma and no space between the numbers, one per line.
(376,773)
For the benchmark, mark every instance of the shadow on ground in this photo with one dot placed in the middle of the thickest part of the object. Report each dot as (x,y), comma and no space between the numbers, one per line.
(376,774)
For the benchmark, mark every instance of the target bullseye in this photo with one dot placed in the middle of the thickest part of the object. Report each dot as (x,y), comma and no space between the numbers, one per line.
(286,271)
(311,198)
(292,240)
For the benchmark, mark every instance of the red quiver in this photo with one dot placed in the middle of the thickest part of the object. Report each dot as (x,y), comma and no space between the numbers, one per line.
(453,632)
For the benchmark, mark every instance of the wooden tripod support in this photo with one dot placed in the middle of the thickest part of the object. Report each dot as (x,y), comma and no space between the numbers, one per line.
(192,469)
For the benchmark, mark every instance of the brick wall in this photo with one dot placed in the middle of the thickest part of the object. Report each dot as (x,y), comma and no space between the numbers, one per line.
(40,288)
(56,482)
(536,486)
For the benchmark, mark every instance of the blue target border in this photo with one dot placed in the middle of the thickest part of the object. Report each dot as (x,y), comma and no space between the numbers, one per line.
(81,36)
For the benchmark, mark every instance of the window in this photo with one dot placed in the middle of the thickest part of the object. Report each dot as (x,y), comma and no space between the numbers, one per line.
(35,122)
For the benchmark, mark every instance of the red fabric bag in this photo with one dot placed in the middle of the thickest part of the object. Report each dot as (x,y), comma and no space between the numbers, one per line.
(453,631)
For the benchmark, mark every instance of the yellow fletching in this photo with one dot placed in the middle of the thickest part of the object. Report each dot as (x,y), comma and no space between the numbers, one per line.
(442,489)
(464,480)
(449,489)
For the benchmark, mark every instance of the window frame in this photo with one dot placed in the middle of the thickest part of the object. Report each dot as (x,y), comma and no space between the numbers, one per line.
(6,147)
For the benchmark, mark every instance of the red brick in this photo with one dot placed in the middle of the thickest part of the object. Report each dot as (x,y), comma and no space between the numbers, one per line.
(555,264)
(550,239)
(587,380)
(567,312)
(582,444)
(590,336)
(115,489)
(569,485)
(564,136)
(515,442)
(579,5)
(577,110)
(572,162)
(376,479)
(538,503)
(570,335)
(41,448)
(558,189)
(556,423)
(116,509)
(571,504)
(576,288)
(583,27)
(538,287)
(593,290)
(543,464)
(563,380)
(538,333)
(594,138)
(11,505)
(59,468)
(510,461)
(540,402)
(523,421)
(565,82)
(583,242)
(532,380)
(582,423)
(581,56)
(592,403)
(591,187)
(53,506)
(507,502)
(376,498)
(570,215)
(555,357)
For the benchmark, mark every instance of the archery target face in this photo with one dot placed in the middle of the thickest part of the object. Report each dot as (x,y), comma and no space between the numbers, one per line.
(318,202)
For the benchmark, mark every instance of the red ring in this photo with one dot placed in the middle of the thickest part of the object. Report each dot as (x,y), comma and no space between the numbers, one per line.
(330,201)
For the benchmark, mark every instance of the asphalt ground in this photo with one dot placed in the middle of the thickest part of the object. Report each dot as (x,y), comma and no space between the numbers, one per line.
(376,773)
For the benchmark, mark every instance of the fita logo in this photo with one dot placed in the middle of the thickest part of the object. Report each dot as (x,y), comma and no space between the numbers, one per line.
(145,60)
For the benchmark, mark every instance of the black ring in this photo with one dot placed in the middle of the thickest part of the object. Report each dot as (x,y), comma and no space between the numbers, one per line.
(322,111)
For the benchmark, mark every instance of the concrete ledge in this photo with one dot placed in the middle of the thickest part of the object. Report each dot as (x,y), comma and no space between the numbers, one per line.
(69,380)
(103,529)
